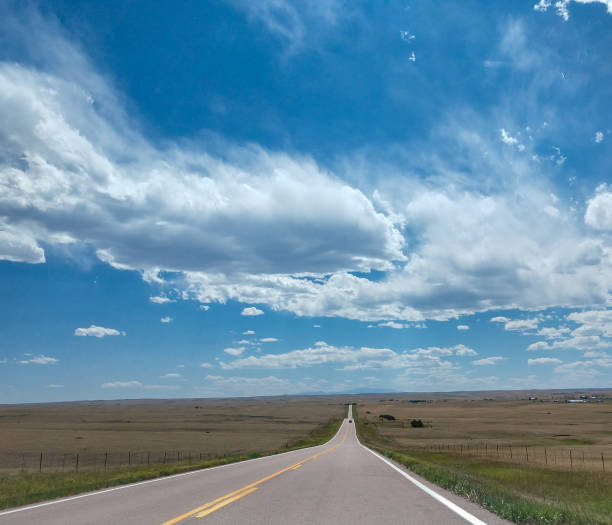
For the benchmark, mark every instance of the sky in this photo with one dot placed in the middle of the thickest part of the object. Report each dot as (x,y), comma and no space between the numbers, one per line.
(226,198)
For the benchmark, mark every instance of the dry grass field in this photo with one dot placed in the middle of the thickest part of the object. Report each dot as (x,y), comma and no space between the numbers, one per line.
(212,427)
(480,424)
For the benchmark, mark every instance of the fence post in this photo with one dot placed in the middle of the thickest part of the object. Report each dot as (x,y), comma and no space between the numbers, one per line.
(497,448)
(40,463)
(164,457)
(23,461)
(129,458)
(571,461)
(105,459)
(76,467)
(527,454)
(510,452)
(603,464)
(148,458)
(545,457)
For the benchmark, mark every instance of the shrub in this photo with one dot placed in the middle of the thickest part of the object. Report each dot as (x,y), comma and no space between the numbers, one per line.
(388,417)
(416,423)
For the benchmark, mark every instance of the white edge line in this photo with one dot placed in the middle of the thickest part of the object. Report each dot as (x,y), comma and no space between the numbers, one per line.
(163,478)
(452,506)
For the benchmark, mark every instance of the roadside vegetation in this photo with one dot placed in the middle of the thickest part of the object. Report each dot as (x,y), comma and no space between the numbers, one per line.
(22,488)
(518,492)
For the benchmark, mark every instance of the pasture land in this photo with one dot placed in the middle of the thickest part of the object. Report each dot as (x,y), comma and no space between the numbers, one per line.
(465,446)
(146,431)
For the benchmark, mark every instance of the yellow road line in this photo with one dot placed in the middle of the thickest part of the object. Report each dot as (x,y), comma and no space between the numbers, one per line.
(224,503)
(212,506)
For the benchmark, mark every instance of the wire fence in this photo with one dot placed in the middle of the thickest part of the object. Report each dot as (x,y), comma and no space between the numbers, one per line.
(554,457)
(78,461)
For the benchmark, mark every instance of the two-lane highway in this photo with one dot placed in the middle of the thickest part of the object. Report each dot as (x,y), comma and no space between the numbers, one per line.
(341,482)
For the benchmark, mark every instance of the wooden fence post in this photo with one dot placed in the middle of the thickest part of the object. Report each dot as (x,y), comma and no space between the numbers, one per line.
(510,452)
(105,459)
(76,466)
(164,457)
(40,463)
(129,457)
(527,454)
(148,458)
(603,464)
(545,456)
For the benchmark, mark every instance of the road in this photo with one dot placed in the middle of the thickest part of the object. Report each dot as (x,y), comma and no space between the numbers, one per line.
(341,482)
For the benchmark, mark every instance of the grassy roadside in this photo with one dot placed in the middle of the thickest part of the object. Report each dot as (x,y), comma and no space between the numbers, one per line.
(26,487)
(518,493)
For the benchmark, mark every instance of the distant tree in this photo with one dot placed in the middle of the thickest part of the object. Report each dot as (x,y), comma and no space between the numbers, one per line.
(388,417)
(416,423)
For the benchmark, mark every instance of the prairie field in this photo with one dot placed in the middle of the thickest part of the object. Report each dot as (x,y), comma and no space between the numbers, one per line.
(150,430)
(543,431)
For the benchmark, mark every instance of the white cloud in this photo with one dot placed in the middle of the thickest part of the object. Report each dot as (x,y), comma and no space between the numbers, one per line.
(18,246)
(166,319)
(316,326)
(161,299)
(268,340)
(507,138)
(248,332)
(406,35)
(412,57)
(251,311)
(55,385)
(97,331)
(598,214)
(353,358)
(465,351)
(487,361)
(561,6)
(206,365)
(392,324)
(204,307)
(234,351)
(39,360)
(544,361)
(215,223)
(553,333)
(599,136)
(171,375)
(123,384)
(520,325)
(463,327)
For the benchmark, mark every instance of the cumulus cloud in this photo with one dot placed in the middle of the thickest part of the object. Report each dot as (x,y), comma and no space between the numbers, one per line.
(204,307)
(251,311)
(248,332)
(39,360)
(544,361)
(598,214)
(171,375)
(561,6)
(463,327)
(18,246)
(392,324)
(234,351)
(487,361)
(351,358)
(97,331)
(268,340)
(519,325)
(161,299)
(166,319)
(226,221)
(599,136)
(206,365)
(122,384)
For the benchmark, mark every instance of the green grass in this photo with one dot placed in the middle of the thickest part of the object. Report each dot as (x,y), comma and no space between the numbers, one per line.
(26,487)
(516,492)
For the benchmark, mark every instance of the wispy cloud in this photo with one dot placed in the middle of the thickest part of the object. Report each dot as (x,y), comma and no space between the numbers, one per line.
(97,331)
(122,384)
(487,361)
(166,319)
(39,360)
(251,311)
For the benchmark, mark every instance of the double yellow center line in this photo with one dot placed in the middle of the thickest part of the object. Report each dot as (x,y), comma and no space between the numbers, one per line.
(216,504)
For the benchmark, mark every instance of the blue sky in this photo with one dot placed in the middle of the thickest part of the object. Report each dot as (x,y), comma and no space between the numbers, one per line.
(249,198)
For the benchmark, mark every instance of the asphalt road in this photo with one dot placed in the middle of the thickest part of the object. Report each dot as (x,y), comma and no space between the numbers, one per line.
(340,482)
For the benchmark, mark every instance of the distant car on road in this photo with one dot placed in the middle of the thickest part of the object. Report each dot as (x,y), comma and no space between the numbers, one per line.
(350,420)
